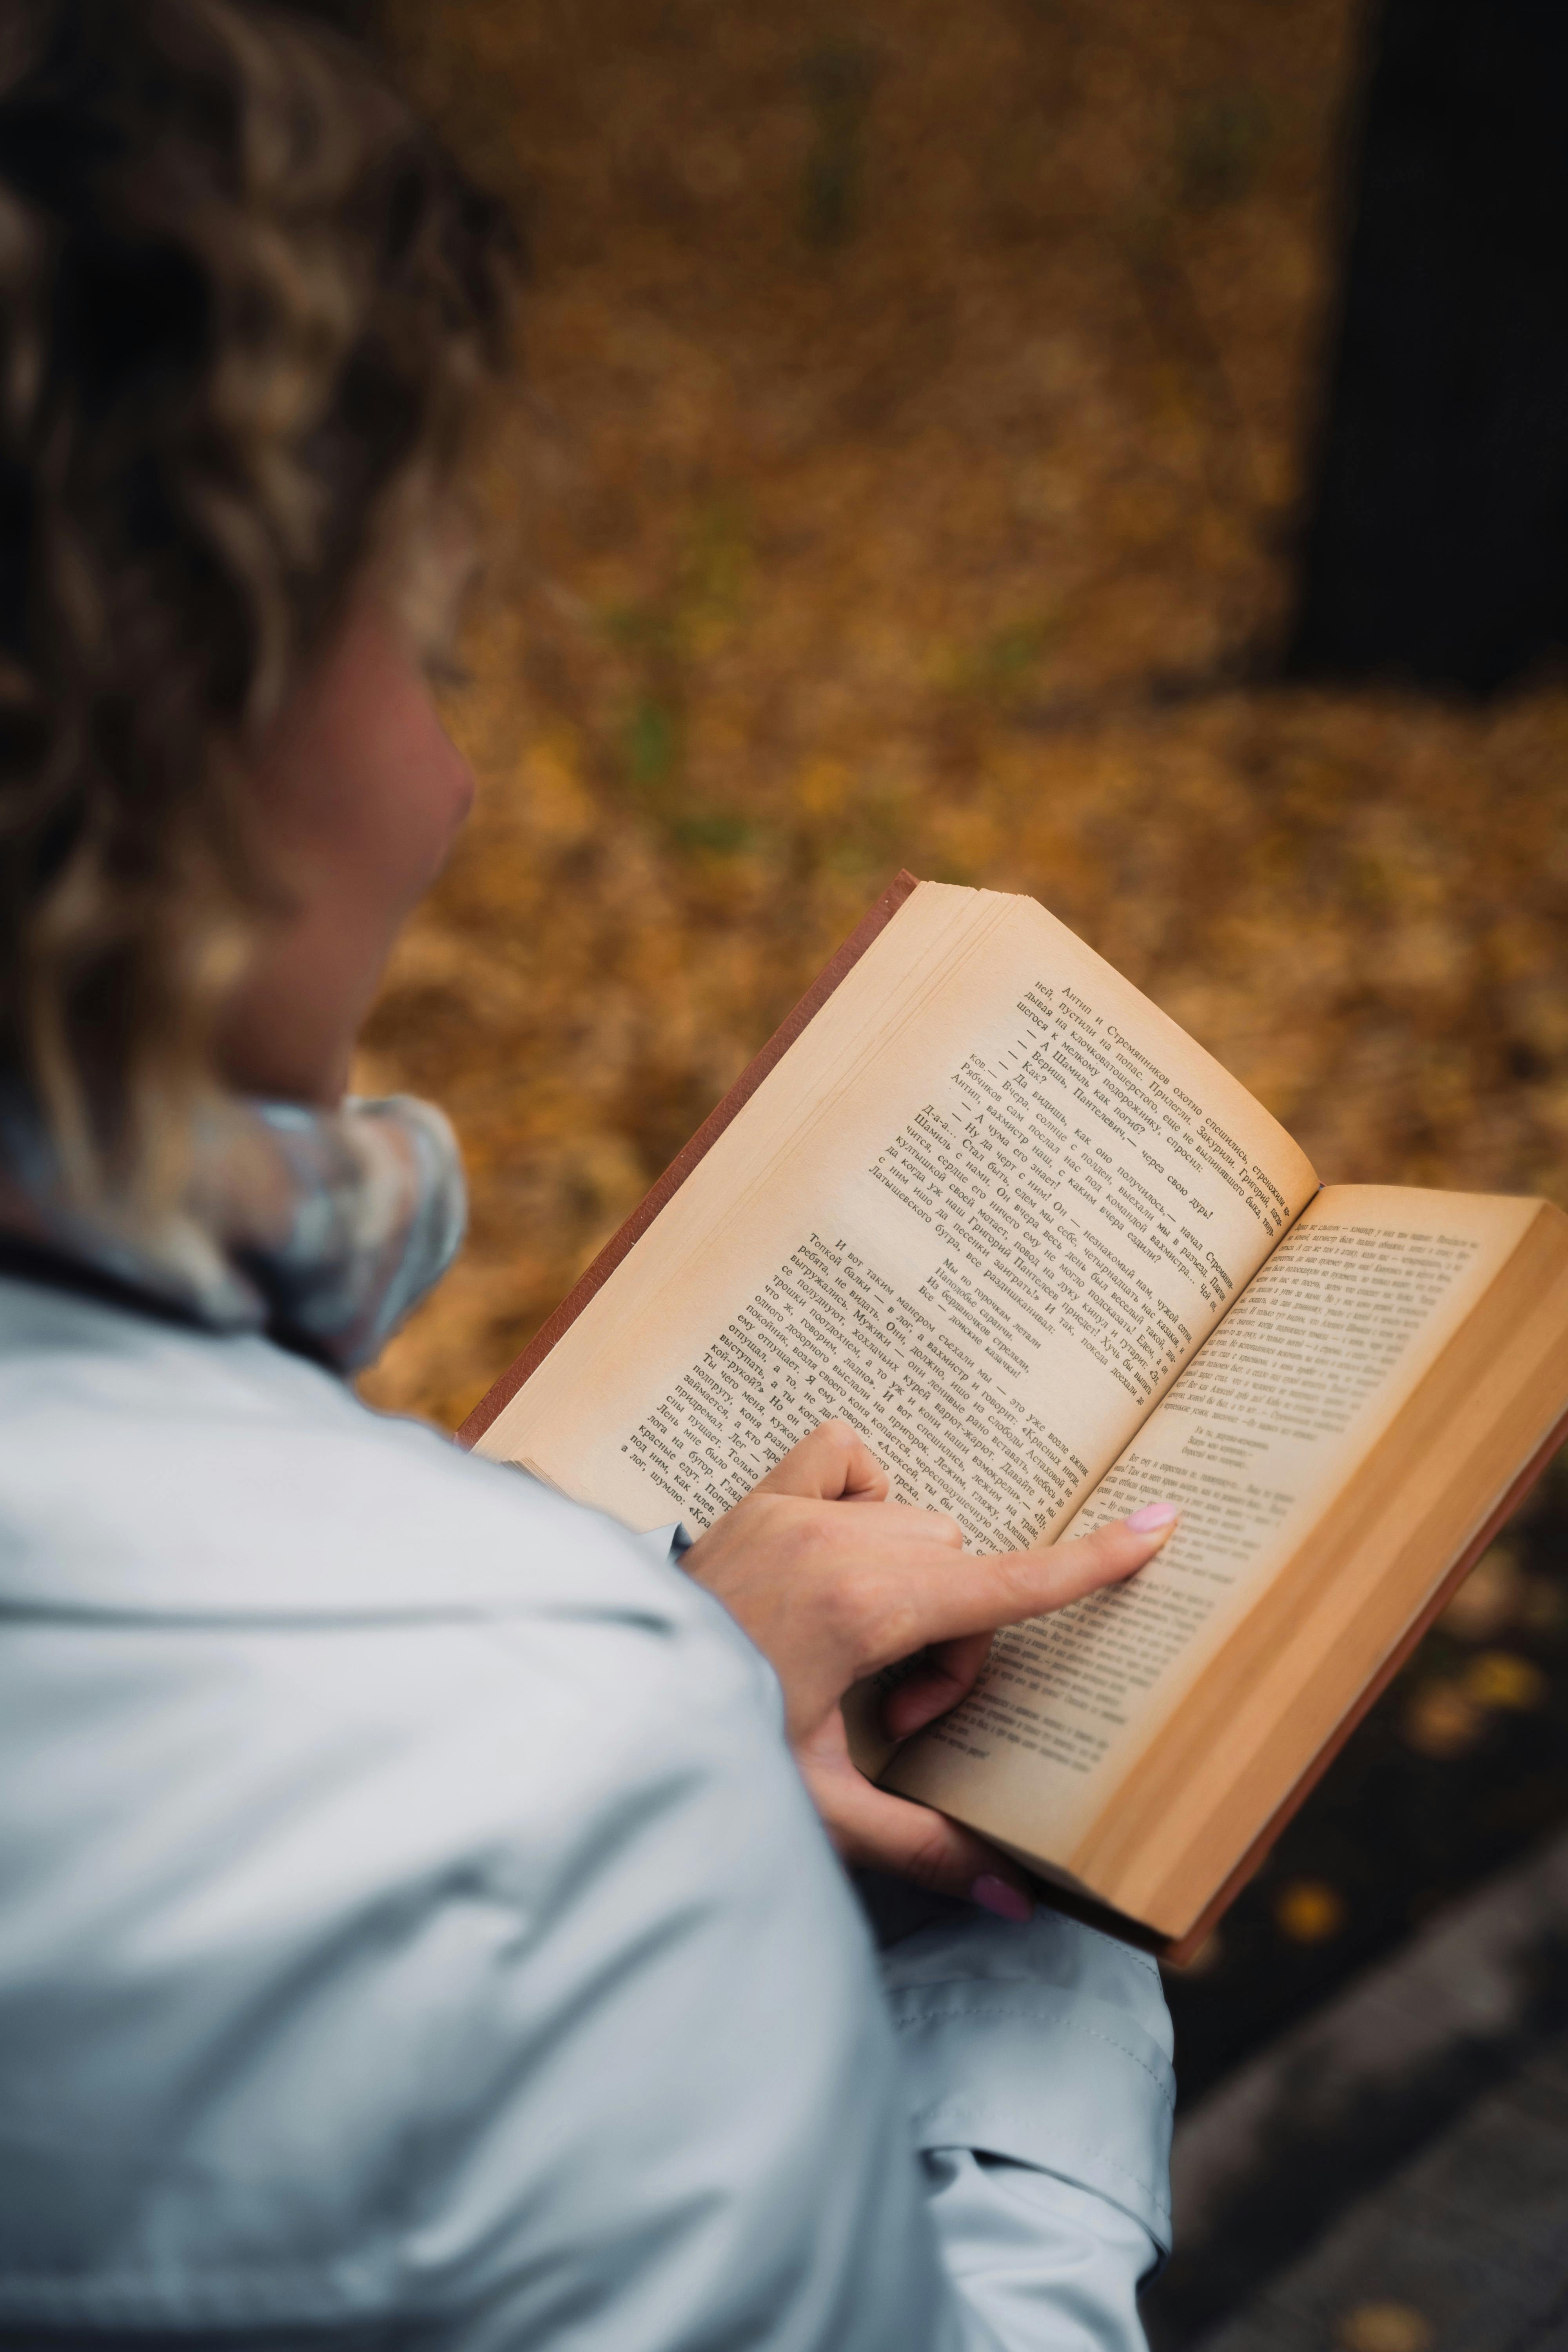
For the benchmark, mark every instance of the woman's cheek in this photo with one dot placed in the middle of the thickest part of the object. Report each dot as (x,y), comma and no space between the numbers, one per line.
(452,799)
(417,824)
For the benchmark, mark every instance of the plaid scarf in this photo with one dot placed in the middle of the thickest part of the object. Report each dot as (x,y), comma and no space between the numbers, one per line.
(322,1228)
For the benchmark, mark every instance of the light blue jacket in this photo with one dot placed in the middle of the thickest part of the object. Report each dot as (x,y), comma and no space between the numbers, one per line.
(413,1931)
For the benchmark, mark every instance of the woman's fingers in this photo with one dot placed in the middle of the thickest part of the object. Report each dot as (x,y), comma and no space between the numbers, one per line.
(833,1464)
(934,1684)
(874,1831)
(947,1671)
(831,1595)
(943,1596)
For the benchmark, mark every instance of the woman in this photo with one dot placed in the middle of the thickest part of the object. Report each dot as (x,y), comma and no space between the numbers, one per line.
(415,1930)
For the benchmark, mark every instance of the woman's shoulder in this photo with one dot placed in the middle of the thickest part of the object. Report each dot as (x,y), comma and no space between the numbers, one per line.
(229,1587)
(243,1569)
(148,1464)
(352,1785)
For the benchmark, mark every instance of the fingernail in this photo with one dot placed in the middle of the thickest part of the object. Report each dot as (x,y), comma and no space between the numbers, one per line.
(1151,1516)
(1007,1902)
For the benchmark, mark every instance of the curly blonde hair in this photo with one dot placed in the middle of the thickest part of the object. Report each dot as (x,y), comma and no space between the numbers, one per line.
(246,304)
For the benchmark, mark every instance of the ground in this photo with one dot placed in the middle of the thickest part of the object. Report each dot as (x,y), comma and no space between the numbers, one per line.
(904,468)
(916,410)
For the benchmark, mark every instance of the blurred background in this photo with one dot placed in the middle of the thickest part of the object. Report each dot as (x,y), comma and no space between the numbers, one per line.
(1115,452)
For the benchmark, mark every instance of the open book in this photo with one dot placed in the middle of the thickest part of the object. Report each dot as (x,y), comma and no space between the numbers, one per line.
(986,1202)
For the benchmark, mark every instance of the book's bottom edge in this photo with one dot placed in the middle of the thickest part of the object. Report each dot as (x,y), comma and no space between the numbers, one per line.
(1076,1903)
(1060,1891)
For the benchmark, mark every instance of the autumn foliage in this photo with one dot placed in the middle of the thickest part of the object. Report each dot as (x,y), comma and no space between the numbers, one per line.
(903,470)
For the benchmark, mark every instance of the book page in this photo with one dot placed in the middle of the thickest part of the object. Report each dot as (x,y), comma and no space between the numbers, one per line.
(1258,1434)
(985,1208)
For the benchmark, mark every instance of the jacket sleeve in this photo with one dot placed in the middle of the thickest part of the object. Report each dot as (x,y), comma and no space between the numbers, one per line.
(725,2129)
(476,1975)
(1037,2064)
(696,2117)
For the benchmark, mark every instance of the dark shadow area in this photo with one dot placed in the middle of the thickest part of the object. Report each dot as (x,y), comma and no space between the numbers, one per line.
(1305,2177)
(1436,551)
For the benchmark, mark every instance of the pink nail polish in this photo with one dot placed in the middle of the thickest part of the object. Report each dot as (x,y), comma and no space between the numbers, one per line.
(1151,1516)
(993,1894)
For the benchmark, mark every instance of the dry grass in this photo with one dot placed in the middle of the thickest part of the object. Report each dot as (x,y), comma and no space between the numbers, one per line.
(914,419)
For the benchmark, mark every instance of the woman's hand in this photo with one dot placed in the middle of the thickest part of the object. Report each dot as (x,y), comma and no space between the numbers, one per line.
(833,1582)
